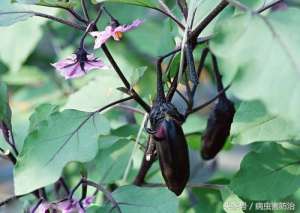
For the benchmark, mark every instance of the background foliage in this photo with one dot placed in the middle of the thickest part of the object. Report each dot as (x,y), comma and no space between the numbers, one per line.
(258,54)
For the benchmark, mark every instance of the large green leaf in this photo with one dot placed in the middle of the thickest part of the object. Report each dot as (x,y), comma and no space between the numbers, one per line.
(134,199)
(18,41)
(268,173)
(7,18)
(143,3)
(28,75)
(98,93)
(40,114)
(102,90)
(260,54)
(252,123)
(231,202)
(50,3)
(209,201)
(110,163)
(255,4)
(65,136)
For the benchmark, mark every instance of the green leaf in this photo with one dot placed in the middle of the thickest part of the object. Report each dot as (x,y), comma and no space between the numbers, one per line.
(99,209)
(267,67)
(50,3)
(110,163)
(137,74)
(209,201)
(143,3)
(5,112)
(65,136)
(28,75)
(18,41)
(268,173)
(98,93)
(194,124)
(204,7)
(255,4)
(147,200)
(231,202)
(252,123)
(6,18)
(16,205)
(40,114)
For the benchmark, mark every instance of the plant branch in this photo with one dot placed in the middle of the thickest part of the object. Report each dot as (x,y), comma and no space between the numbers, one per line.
(197,185)
(43,15)
(183,7)
(84,189)
(174,83)
(74,189)
(217,73)
(8,155)
(159,83)
(84,9)
(148,160)
(40,201)
(130,108)
(137,141)
(268,6)
(7,134)
(107,194)
(84,122)
(64,185)
(165,10)
(202,61)
(208,102)
(133,93)
(75,15)
(211,16)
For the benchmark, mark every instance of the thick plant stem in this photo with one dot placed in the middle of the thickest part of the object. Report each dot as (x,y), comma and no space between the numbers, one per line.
(135,96)
(147,162)
(84,9)
(270,5)
(159,84)
(211,16)
(53,18)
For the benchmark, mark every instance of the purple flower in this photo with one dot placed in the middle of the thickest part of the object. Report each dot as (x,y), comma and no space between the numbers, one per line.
(78,64)
(42,208)
(115,30)
(72,206)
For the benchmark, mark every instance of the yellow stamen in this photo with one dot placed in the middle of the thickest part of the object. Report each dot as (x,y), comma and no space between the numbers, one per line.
(118,35)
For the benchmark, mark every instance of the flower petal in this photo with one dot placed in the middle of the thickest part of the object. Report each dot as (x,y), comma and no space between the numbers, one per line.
(70,68)
(102,37)
(43,207)
(90,65)
(65,62)
(88,201)
(125,28)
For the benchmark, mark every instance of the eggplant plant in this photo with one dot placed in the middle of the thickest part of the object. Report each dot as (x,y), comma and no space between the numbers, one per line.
(149,106)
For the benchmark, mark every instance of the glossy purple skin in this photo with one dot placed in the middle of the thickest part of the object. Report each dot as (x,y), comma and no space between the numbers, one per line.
(218,128)
(173,155)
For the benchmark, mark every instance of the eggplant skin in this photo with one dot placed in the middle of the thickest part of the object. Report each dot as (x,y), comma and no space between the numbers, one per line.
(218,128)
(173,155)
